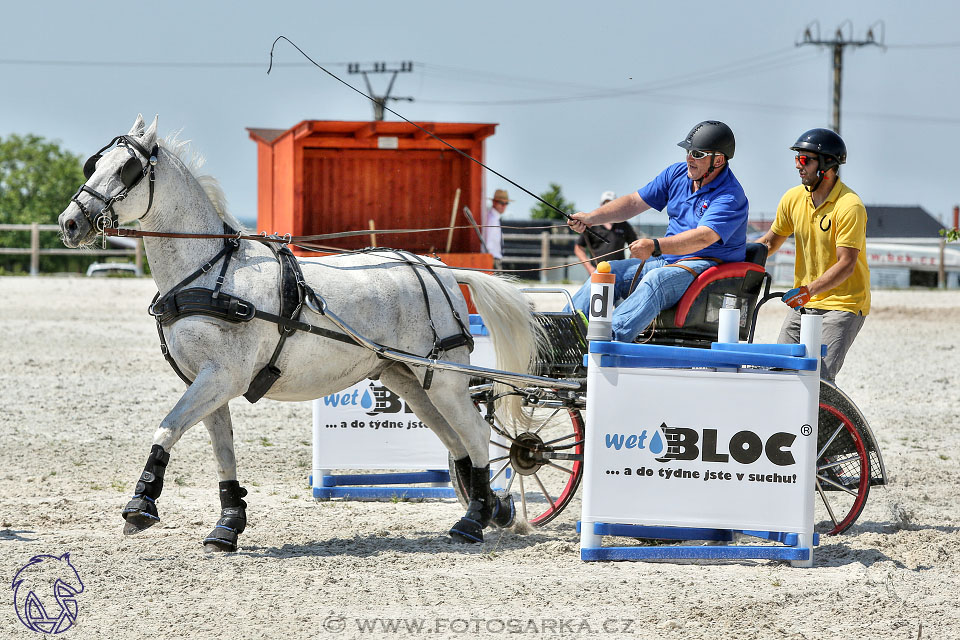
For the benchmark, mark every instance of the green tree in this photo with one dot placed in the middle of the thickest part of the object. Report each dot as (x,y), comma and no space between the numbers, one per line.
(37,178)
(952,235)
(554,195)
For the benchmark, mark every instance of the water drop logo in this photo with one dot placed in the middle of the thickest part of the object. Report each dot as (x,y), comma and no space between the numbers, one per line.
(45,594)
(367,400)
(656,442)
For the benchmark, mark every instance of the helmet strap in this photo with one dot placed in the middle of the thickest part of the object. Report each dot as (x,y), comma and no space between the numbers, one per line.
(707,172)
(822,169)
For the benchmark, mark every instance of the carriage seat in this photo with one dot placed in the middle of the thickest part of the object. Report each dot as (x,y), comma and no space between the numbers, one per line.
(694,320)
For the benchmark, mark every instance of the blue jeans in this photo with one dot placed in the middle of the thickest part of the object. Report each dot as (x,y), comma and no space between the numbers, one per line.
(660,288)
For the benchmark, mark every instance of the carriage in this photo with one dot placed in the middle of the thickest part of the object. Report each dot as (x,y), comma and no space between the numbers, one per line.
(544,465)
(238,317)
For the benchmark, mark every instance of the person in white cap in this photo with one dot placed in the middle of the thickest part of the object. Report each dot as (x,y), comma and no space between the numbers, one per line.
(492,235)
(616,236)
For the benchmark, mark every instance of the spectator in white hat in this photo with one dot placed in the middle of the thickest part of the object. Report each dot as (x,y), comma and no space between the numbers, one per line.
(492,235)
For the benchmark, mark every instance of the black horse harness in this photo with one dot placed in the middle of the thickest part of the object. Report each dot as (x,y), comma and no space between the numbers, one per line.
(180,302)
(131,173)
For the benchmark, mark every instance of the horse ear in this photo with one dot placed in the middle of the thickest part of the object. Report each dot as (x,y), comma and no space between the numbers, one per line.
(137,128)
(150,135)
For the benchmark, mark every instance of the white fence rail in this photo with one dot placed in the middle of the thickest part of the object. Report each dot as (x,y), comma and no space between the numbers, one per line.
(34,250)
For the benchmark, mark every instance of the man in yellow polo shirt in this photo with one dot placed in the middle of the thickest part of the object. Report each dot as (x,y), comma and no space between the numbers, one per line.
(829,223)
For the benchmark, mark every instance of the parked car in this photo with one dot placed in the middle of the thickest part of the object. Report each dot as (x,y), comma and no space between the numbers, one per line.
(102,269)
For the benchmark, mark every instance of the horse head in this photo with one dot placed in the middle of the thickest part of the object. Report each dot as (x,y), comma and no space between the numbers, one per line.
(119,187)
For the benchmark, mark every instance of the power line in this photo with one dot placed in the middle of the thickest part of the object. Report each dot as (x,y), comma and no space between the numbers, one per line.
(768,62)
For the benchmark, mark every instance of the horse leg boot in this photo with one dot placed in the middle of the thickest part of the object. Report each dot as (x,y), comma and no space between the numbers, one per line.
(504,512)
(233,518)
(141,512)
(481,508)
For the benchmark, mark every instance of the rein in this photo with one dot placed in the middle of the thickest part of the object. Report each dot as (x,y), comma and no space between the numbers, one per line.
(308,243)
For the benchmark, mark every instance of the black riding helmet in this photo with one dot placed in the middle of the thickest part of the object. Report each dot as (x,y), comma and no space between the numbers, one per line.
(823,142)
(710,135)
(828,146)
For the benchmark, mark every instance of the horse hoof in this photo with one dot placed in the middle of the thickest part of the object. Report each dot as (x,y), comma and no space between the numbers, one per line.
(135,523)
(467,531)
(221,539)
(504,513)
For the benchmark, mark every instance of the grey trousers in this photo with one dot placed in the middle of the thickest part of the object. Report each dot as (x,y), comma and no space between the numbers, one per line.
(840,328)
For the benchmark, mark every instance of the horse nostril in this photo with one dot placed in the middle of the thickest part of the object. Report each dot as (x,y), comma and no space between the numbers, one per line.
(71,225)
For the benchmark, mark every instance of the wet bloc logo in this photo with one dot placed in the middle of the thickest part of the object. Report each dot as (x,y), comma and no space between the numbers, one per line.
(680,443)
(45,594)
(374,400)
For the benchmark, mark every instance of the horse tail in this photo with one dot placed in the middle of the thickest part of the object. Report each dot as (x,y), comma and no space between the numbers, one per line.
(514,331)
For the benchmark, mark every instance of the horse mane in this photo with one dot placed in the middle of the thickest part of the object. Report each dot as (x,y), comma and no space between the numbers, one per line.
(193,161)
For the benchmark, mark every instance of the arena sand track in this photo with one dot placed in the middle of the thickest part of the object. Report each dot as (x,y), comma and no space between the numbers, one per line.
(84,386)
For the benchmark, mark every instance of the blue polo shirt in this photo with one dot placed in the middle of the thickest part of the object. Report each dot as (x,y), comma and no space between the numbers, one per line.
(720,205)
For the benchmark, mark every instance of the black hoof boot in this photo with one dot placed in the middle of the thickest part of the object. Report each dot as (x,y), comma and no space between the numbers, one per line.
(479,510)
(504,513)
(233,518)
(469,529)
(141,512)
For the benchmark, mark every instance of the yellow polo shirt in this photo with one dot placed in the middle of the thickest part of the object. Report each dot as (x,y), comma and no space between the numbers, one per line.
(841,221)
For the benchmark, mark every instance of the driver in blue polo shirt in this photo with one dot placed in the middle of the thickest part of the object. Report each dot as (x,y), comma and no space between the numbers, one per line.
(707,210)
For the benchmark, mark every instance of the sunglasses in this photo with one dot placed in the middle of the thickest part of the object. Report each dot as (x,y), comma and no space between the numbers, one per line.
(696,154)
(803,160)
(500,202)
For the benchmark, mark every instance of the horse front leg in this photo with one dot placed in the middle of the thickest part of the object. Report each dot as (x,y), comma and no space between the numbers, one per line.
(208,392)
(233,514)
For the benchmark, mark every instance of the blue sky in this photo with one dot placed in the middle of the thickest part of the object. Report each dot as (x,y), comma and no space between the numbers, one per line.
(593,96)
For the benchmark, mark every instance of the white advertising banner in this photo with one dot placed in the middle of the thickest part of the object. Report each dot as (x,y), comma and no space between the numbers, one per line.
(705,449)
(367,426)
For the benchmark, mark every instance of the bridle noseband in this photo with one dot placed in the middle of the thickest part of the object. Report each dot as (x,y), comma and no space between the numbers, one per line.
(131,174)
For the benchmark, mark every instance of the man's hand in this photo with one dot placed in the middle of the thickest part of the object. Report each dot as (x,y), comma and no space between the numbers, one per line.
(796,297)
(641,249)
(578,222)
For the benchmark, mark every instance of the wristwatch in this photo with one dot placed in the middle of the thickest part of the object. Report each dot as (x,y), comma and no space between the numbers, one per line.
(656,249)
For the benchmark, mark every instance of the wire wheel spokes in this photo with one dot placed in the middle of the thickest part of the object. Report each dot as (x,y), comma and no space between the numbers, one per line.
(540,462)
(843,469)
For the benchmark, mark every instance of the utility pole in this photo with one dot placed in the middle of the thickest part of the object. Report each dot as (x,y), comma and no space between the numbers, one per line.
(839,42)
(381,67)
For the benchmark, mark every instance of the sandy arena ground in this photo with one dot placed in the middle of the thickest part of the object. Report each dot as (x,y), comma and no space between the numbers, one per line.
(84,387)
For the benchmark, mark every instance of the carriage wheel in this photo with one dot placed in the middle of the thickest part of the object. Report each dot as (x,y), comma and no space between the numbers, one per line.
(843,468)
(541,465)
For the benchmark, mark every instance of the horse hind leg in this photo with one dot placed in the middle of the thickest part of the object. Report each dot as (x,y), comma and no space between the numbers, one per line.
(233,509)
(466,436)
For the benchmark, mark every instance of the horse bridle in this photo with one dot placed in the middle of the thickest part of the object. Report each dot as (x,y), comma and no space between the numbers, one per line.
(131,174)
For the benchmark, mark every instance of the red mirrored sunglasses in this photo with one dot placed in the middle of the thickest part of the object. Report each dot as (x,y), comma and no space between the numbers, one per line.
(803,160)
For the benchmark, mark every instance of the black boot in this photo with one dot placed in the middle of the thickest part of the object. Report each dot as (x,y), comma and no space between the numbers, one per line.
(233,518)
(504,512)
(479,509)
(141,512)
